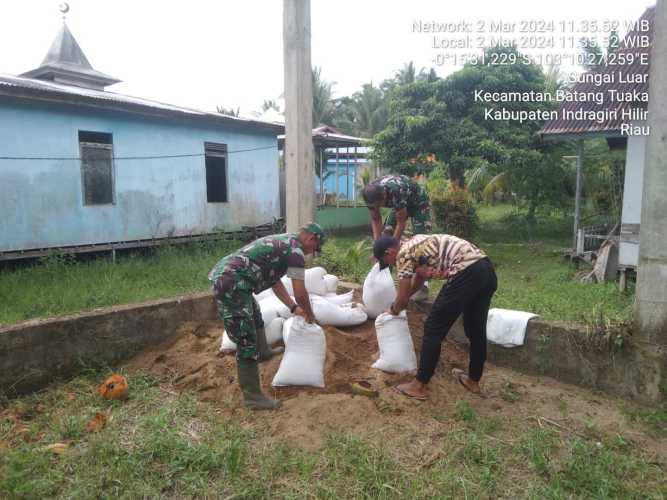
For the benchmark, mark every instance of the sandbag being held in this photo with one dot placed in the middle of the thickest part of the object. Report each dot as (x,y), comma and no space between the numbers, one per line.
(305,352)
(379,291)
(397,352)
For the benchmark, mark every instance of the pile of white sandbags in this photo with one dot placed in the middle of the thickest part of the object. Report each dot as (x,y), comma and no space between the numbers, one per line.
(329,313)
(328,307)
(343,298)
(317,282)
(314,280)
(379,291)
(305,353)
(397,353)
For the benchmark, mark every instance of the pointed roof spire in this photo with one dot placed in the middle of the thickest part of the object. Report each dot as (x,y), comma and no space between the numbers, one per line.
(66,63)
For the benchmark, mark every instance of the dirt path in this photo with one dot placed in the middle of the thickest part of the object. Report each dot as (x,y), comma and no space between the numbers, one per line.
(191,361)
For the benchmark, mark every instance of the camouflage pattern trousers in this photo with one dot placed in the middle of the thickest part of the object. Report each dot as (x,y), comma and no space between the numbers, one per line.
(240,313)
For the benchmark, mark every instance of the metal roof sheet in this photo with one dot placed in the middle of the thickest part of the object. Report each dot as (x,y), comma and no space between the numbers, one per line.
(30,88)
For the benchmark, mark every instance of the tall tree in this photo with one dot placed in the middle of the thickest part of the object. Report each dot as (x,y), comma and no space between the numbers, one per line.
(270,104)
(364,114)
(443,117)
(323,108)
(228,111)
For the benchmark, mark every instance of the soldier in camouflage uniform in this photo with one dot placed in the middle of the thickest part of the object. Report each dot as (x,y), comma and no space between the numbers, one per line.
(407,199)
(252,269)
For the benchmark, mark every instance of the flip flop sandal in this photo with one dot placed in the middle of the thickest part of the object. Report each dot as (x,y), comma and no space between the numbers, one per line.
(363,388)
(458,373)
(417,398)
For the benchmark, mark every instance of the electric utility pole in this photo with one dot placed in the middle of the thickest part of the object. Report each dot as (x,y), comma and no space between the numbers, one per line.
(298,151)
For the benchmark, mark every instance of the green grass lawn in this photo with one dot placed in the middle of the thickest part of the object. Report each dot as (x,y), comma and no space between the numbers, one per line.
(166,444)
(532,274)
(59,285)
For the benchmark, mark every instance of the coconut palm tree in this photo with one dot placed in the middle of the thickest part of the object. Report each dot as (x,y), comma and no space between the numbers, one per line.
(228,111)
(369,110)
(323,108)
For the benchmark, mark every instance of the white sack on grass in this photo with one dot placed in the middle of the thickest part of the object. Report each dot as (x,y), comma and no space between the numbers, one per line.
(379,291)
(330,283)
(327,313)
(273,330)
(397,353)
(314,281)
(343,298)
(275,304)
(305,352)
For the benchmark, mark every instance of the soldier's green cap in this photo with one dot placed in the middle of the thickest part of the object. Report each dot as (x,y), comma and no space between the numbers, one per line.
(317,230)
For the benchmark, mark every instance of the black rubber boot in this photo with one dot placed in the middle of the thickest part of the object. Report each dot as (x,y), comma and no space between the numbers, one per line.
(248,372)
(263,348)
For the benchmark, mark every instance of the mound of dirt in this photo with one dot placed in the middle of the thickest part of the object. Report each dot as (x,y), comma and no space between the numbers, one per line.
(190,361)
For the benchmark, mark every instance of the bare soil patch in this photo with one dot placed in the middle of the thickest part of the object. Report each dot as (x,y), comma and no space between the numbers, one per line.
(511,400)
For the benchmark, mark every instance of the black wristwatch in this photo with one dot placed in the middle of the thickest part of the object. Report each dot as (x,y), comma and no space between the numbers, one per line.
(293,308)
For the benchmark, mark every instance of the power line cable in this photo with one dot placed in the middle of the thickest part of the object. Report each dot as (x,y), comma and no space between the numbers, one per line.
(151,157)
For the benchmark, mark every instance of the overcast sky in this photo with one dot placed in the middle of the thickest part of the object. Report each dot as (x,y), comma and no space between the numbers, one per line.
(203,53)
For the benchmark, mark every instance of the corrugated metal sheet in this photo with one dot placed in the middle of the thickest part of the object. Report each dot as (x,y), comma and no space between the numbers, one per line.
(30,88)
(563,126)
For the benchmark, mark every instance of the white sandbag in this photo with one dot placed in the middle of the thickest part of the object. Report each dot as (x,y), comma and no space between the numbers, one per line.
(227,344)
(273,331)
(379,291)
(269,313)
(314,281)
(328,313)
(343,298)
(275,304)
(264,294)
(330,283)
(305,352)
(287,326)
(397,353)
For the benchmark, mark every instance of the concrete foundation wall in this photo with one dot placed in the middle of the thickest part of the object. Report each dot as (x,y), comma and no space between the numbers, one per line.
(569,353)
(34,353)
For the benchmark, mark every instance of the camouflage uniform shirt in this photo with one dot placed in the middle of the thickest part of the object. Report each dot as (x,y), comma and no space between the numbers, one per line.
(260,264)
(402,192)
(256,267)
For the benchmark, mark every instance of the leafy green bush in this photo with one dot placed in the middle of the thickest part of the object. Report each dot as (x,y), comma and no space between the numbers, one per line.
(453,207)
(349,261)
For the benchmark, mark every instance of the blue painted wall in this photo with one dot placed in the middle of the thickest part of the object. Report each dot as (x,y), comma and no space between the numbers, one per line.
(41,201)
(346,179)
